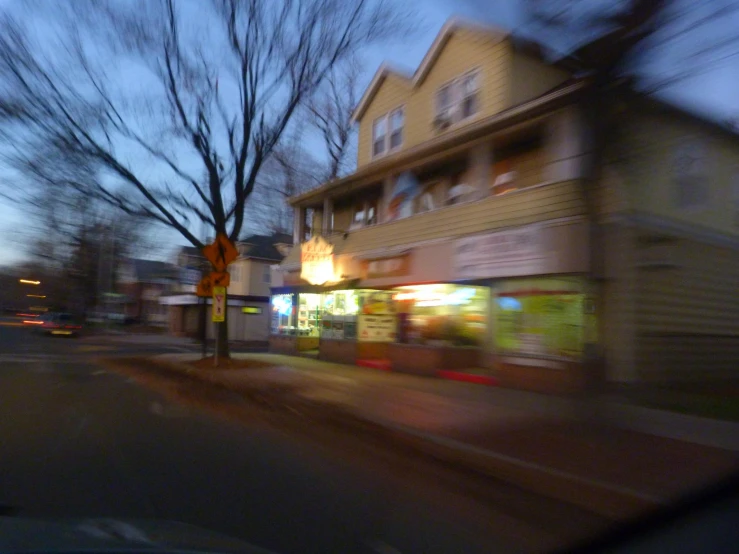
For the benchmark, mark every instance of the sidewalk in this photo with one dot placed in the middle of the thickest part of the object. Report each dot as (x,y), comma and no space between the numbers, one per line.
(533,440)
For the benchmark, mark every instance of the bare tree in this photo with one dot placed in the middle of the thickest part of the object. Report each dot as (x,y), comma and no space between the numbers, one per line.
(201,95)
(331,114)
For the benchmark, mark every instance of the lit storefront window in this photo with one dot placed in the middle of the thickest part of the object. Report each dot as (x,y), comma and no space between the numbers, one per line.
(282,314)
(340,310)
(541,317)
(442,313)
(309,315)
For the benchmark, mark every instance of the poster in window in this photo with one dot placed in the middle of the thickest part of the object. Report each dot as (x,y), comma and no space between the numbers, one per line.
(377,328)
(402,198)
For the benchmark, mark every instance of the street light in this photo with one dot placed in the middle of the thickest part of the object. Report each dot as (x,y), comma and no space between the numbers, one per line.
(36,295)
(29,282)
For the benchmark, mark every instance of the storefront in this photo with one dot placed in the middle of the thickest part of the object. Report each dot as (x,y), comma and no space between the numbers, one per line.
(515,303)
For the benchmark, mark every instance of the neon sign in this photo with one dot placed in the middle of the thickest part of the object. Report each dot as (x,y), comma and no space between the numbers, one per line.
(428,297)
(282,304)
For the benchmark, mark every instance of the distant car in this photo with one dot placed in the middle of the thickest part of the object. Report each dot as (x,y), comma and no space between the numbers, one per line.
(60,324)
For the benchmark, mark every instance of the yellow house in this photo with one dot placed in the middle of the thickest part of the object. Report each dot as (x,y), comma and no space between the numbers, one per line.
(461,241)
(669,210)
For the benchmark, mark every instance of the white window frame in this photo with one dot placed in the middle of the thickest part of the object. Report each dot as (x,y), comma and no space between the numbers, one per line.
(457,98)
(267,274)
(387,119)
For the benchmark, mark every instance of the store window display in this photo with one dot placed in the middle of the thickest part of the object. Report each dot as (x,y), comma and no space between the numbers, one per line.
(442,314)
(283,316)
(541,317)
(339,317)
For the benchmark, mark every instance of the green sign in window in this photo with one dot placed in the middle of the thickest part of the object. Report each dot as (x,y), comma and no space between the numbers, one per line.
(251,310)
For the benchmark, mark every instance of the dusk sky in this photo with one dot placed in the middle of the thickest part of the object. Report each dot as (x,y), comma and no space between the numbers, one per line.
(714,92)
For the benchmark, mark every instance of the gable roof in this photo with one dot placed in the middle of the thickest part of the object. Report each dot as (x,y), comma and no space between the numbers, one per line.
(446,32)
(264,247)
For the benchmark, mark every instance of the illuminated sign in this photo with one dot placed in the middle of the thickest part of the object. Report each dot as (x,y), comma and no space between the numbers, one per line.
(282,304)
(317,261)
(251,310)
(430,295)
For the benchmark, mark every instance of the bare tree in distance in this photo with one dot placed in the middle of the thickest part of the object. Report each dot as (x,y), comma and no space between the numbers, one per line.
(326,125)
(175,106)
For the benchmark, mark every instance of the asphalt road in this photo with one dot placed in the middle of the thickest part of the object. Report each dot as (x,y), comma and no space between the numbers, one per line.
(77,440)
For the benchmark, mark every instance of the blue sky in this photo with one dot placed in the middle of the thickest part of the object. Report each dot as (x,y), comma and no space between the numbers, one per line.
(714,92)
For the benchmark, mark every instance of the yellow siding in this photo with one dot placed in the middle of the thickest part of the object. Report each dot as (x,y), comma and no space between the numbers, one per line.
(519,208)
(343,217)
(688,316)
(531,78)
(652,140)
(530,166)
(618,309)
(394,92)
(464,51)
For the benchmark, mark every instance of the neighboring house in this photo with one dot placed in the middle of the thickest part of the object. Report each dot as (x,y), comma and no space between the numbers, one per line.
(142,282)
(248,293)
(462,240)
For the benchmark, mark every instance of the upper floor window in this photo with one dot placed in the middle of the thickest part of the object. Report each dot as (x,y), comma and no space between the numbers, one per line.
(457,100)
(235,272)
(365,213)
(266,274)
(387,132)
(690,174)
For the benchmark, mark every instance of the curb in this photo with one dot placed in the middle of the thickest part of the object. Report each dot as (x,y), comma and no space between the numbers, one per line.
(451,375)
(447,374)
(600,497)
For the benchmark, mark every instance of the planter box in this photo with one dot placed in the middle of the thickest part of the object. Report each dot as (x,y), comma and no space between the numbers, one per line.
(421,359)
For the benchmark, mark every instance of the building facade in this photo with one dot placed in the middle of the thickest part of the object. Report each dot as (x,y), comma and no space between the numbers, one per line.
(463,239)
(248,292)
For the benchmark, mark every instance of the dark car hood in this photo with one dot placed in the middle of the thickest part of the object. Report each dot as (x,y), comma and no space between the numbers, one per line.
(113,535)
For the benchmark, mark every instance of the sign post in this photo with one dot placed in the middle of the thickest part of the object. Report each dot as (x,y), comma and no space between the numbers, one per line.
(218,314)
(220,253)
